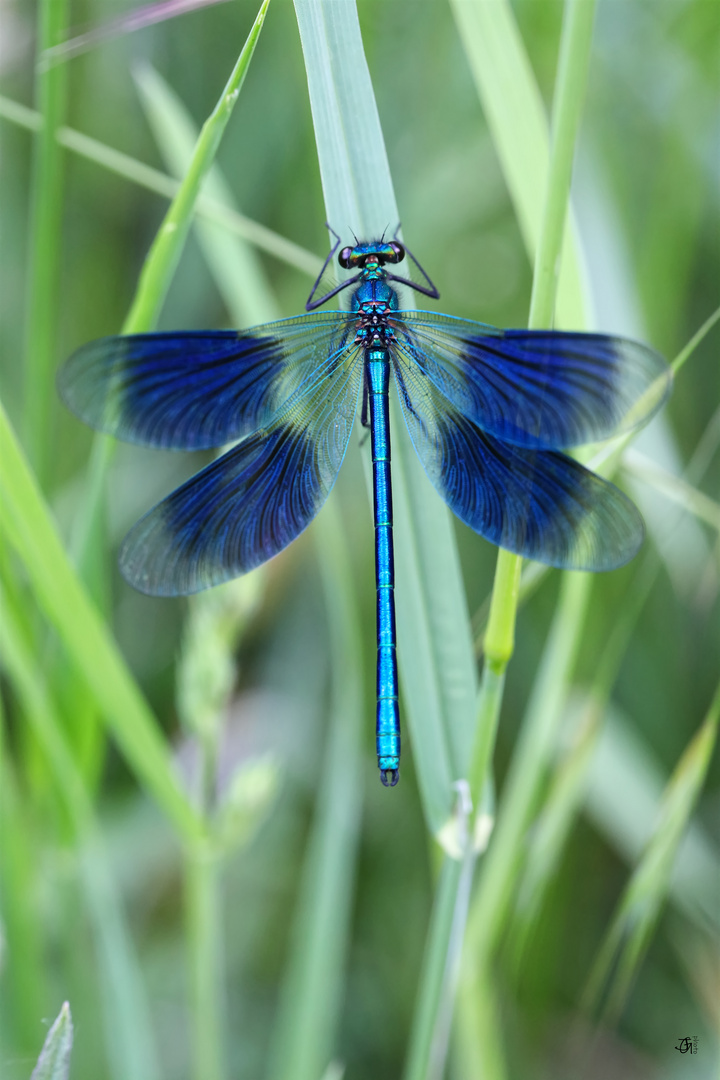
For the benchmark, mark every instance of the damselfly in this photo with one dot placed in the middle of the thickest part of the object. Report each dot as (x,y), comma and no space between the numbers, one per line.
(487,411)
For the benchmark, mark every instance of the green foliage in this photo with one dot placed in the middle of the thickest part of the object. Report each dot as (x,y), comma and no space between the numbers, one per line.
(209,871)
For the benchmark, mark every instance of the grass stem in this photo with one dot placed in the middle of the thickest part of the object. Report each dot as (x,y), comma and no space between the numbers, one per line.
(312,990)
(45,240)
(205,939)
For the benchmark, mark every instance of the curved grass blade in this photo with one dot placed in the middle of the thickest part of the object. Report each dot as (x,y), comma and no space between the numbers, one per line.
(238,272)
(128,1035)
(26,522)
(158,270)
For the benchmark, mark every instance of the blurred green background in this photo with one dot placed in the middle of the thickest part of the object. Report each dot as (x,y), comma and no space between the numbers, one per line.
(646,198)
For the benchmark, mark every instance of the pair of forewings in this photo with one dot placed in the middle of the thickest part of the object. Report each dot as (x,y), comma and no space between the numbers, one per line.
(487,411)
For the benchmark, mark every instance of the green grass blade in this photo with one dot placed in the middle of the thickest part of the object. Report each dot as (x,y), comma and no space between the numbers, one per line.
(312,991)
(137,172)
(515,114)
(28,527)
(22,980)
(516,119)
(569,95)
(553,825)
(531,754)
(45,240)
(530,760)
(622,797)
(434,644)
(164,255)
(128,1033)
(569,785)
(674,488)
(54,1060)
(433,1010)
(205,939)
(157,273)
(478,1048)
(206,667)
(519,131)
(238,271)
(627,939)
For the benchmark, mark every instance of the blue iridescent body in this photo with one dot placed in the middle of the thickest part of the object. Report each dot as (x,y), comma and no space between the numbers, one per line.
(488,412)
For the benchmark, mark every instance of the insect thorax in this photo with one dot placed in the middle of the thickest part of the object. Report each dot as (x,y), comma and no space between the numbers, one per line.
(372,301)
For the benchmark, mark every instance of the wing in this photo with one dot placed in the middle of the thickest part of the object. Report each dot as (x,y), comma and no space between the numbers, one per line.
(192,391)
(538,388)
(537,503)
(250,503)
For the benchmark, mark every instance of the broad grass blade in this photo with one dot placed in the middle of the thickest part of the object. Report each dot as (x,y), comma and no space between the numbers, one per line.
(434,643)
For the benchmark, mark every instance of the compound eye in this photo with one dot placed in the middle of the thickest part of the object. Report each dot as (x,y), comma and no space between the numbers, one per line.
(398,251)
(345,258)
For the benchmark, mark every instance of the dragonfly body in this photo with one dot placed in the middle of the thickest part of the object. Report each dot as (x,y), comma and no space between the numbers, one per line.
(487,410)
(371,302)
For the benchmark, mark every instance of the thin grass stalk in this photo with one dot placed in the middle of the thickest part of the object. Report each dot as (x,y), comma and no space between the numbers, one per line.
(145,176)
(515,114)
(238,271)
(478,1050)
(427,1035)
(568,785)
(128,1033)
(45,239)
(487,909)
(570,84)
(626,942)
(552,828)
(569,96)
(312,990)
(205,938)
(156,275)
(28,527)
(499,638)
(303,1039)
(492,903)
(205,670)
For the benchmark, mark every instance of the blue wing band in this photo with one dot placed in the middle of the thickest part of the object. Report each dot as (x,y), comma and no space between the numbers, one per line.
(250,503)
(537,503)
(535,388)
(197,390)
